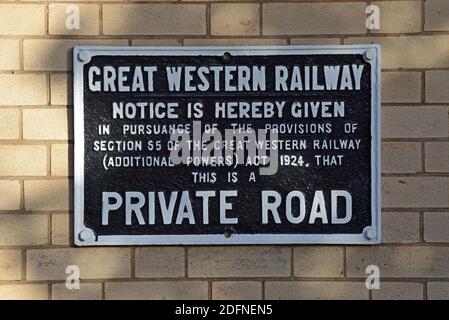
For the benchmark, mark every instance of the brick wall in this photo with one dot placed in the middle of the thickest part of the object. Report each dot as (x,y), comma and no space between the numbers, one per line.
(36,124)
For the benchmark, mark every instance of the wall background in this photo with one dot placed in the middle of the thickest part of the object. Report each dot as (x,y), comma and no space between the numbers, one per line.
(36,153)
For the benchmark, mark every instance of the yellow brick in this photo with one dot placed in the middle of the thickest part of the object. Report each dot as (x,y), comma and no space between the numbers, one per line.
(10,53)
(23,160)
(316,290)
(238,262)
(61,159)
(22,19)
(415,122)
(410,192)
(438,290)
(154,19)
(436,15)
(23,89)
(236,290)
(160,262)
(56,55)
(9,126)
(87,291)
(436,226)
(156,42)
(313,18)
(399,16)
(93,263)
(399,87)
(10,264)
(41,195)
(10,191)
(399,291)
(314,41)
(23,229)
(46,124)
(410,51)
(89,19)
(437,86)
(61,232)
(235,41)
(437,156)
(61,89)
(401,157)
(160,290)
(399,262)
(400,227)
(235,19)
(24,292)
(318,262)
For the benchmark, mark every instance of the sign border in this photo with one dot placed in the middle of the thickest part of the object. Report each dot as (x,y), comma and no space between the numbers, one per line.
(84,236)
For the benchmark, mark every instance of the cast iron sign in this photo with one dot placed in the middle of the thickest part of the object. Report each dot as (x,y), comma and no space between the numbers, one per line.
(227,145)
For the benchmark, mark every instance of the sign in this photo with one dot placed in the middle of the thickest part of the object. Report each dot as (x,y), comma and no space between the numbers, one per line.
(227,145)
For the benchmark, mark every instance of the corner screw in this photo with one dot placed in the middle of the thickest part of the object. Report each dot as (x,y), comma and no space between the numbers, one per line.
(369,233)
(84,57)
(86,234)
(369,55)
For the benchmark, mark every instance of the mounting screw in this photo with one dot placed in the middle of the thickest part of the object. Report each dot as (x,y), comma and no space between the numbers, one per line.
(369,55)
(369,233)
(83,56)
(86,234)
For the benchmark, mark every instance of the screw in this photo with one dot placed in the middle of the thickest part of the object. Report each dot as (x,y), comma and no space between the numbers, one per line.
(86,235)
(84,57)
(227,56)
(369,233)
(369,55)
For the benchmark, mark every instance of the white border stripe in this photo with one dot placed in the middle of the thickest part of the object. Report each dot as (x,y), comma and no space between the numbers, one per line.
(216,239)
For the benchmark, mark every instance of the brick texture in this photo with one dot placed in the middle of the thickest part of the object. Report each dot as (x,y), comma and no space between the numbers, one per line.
(253,262)
(306,18)
(436,226)
(87,291)
(10,124)
(179,290)
(10,53)
(13,86)
(235,19)
(10,191)
(160,262)
(154,19)
(401,87)
(36,153)
(399,16)
(400,262)
(438,290)
(236,290)
(26,160)
(436,15)
(22,19)
(10,264)
(399,291)
(50,264)
(20,229)
(24,292)
(318,262)
(316,290)
(400,227)
(36,124)
(401,157)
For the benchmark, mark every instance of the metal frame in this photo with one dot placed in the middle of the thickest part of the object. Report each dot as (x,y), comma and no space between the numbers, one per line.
(84,236)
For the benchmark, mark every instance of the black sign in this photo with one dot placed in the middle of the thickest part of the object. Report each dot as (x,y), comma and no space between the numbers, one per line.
(214,145)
